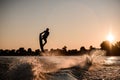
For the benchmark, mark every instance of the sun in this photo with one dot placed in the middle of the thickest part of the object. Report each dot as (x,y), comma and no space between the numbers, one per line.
(110,37)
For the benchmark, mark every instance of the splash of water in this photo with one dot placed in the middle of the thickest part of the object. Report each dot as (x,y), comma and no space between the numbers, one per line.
(36,68)
(30,68)
(97,56)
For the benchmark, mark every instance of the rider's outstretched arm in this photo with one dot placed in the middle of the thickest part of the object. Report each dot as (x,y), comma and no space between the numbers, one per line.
(42,32)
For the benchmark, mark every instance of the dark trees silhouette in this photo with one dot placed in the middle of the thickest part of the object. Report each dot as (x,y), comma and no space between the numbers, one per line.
(19,52)
(116,49)
(91,48)
(37,52)
(112,50)
(106,45)
(83,50)
(29,51)
(64,49)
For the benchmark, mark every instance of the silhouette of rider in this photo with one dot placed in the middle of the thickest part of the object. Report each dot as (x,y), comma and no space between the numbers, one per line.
(44,35)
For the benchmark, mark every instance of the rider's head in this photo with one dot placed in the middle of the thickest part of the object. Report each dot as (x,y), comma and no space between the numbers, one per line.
(47,29)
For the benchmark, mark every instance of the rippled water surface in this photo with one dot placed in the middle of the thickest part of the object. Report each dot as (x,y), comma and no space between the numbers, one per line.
(43,67)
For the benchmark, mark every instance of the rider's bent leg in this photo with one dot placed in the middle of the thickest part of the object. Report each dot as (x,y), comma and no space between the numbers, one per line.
(45,41)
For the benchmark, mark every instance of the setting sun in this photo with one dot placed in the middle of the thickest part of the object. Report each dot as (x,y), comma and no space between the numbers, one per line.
(110,38)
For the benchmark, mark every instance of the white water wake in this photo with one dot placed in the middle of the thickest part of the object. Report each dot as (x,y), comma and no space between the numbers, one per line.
(39,68)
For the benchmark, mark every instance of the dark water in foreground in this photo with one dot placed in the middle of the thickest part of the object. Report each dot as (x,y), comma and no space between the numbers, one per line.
(86,67)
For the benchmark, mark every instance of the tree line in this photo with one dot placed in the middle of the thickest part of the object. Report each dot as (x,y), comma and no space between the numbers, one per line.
(111,50)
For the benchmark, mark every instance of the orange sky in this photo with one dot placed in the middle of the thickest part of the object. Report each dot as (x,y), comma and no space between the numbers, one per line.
(73,23)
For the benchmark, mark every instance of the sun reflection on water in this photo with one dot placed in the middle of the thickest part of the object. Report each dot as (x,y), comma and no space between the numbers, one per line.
(112,61)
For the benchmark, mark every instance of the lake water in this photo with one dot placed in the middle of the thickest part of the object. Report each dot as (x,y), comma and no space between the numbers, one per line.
(39,67)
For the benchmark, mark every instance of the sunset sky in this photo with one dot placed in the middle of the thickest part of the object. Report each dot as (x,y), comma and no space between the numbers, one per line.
(73,23)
